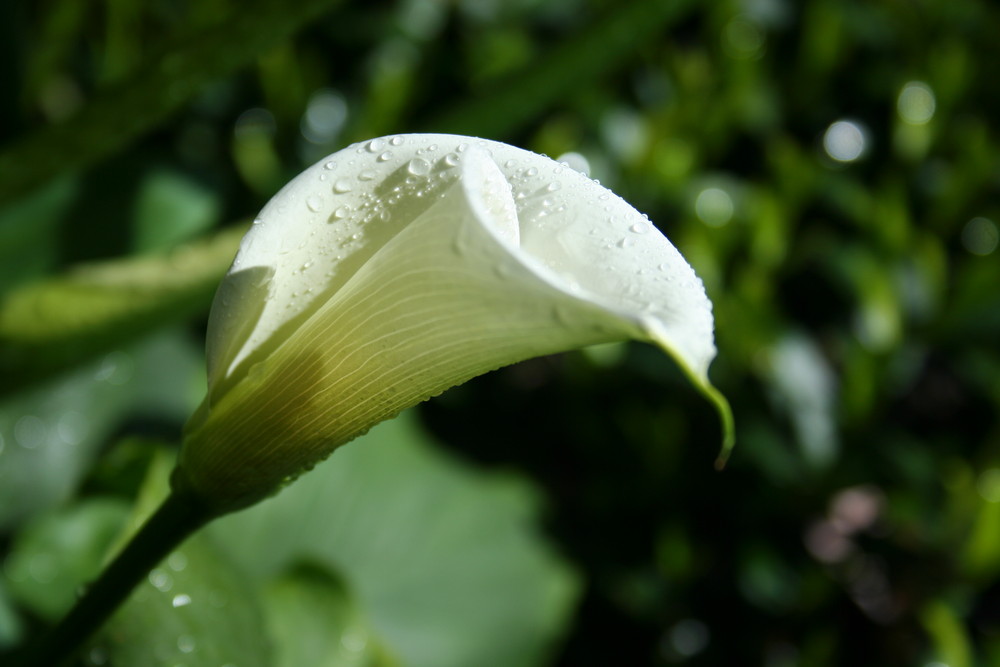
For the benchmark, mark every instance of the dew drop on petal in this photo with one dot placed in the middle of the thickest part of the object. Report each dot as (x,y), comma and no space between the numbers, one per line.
(366,175)
(639,228)
(462,147)
(384,157)
(330,166)
(341,186)
(418,166)
(180,600)
(397,141)
(314,203)
(374,146)
(341,213)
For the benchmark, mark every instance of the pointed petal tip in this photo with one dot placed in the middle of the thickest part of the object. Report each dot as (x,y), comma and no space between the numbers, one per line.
(726,422)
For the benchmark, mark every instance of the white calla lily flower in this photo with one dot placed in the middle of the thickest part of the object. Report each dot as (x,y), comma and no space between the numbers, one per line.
(399,267)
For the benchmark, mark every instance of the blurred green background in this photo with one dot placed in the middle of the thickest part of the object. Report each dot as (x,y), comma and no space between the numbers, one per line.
(831,168)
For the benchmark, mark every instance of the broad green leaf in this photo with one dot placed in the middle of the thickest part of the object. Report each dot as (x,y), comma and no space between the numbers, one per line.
(52,325)
(194,608)
(315,621)
(59,552)
(446,562)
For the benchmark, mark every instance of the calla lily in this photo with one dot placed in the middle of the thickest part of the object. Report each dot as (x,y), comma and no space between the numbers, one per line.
(399,267)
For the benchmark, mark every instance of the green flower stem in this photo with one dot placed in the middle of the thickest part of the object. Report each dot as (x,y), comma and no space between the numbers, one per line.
(178,517)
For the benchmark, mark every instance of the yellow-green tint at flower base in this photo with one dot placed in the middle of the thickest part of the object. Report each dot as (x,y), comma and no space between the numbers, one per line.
(404,266)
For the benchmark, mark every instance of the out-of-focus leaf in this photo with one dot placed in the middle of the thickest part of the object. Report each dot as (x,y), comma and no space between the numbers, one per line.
(52,325)
(564,70)
(118,116)
(60,552)
(194,608)
(50,434)
(804,386)
(171,209)
(315,621)
(445,561)
(11,628)
(948,634)
(28,233)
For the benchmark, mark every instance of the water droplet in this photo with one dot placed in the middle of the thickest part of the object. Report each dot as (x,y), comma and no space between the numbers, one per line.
(341,186)
(185,644)
(460,245)
(330,166)
(314,203)
(604,197)
(160,580)
(531,173)
(562,316)
(181,600)
(397,141)
(462,147)
(509,163)
(418,166)
(625,243)
(639,228)
(374,146)
(177,561)
(384,157)
(218,599)
(340,213)
(553,186)
(452,159)
(366,175)
(354,640)
(30,431)
(258,220)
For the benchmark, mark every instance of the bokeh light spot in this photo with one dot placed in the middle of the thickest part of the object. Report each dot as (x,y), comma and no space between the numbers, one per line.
(325,116)
(714,207)
(845,141)
(916,103)
(743,39)
(988,485)
(980,236)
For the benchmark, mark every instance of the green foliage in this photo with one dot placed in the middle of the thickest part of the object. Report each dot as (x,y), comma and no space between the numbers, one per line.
(830,169)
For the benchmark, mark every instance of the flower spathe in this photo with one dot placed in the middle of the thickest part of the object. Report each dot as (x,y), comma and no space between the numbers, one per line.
(401,266)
